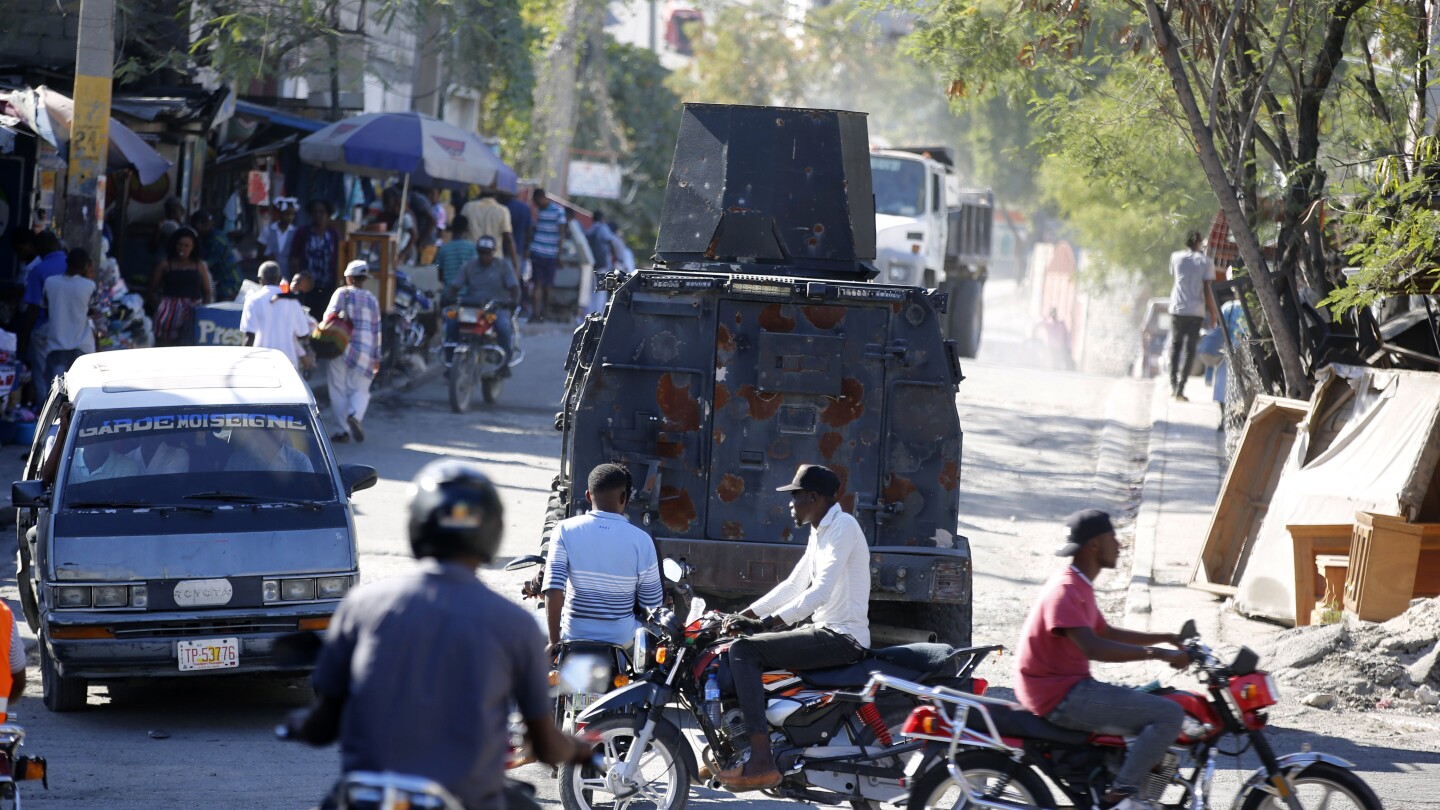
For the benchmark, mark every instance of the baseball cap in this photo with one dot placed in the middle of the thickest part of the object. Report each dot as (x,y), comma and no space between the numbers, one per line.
(485,243)
(813,478)
(357,268)
(1084,526)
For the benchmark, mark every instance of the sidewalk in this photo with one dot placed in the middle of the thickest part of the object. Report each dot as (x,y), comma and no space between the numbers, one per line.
(1183,473)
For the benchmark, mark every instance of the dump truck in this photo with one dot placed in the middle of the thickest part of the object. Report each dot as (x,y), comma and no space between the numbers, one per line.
(760,340)
(932,233)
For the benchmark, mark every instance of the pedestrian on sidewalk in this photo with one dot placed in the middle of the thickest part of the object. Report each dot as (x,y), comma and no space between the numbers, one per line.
(272,320)
(455,253)
(277,236)
(34,332)
(219,256)
(1190,302)
(1065,631)
(550,226)
(179,284)
(316,250)
(68,298)
(350,375)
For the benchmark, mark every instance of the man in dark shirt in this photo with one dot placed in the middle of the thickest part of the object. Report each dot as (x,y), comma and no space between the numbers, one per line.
(411,682)
(491,278)
(34,335)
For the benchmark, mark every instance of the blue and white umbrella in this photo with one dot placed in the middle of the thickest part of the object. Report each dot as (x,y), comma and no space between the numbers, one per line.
(426,150)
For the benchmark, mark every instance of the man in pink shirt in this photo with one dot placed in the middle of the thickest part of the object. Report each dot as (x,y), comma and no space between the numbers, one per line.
(1065,632)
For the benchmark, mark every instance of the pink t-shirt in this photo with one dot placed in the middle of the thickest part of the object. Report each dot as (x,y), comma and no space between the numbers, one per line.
(1050,664)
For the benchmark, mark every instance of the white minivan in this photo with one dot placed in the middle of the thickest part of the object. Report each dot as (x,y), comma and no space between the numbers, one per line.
(181,510)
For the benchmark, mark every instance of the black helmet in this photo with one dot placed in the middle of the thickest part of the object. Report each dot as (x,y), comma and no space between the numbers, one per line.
(454,509)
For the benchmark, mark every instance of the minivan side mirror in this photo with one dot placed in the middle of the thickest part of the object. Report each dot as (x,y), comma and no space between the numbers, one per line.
(28,494)
(357,477)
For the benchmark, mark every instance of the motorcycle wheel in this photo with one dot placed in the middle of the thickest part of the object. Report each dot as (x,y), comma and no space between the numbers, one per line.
(462,383)
(663,774)
(1317,785)
(490,389)
(992,775)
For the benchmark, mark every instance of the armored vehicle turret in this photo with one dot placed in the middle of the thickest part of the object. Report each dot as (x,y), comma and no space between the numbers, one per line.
(756,343)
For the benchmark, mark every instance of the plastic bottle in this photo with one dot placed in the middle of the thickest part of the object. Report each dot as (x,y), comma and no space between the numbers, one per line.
(712,701)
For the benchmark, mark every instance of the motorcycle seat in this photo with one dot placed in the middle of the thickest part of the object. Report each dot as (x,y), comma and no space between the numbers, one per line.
(908,661)
(1013,721)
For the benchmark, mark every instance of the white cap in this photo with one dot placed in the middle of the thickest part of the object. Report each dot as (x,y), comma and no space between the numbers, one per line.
(357,268)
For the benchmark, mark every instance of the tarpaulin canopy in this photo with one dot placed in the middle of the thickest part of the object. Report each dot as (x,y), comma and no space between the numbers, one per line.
(1382,459)
(48,114)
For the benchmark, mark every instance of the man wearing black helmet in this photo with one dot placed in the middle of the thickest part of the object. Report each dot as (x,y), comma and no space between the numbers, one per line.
(418,671)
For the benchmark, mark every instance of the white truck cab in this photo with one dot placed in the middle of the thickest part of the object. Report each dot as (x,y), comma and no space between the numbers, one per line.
(930,233)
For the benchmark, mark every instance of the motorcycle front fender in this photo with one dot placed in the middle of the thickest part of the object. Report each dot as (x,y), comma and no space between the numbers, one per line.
(639,694)
(1293,765)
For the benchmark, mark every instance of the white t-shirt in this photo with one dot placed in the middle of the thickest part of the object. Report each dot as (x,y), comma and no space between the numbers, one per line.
(67,298)
(276,322)
(277,245)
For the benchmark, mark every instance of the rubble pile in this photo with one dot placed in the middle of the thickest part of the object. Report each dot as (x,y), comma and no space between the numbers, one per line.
(1362,665)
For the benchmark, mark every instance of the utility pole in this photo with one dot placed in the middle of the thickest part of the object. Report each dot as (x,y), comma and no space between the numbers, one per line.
(90,127)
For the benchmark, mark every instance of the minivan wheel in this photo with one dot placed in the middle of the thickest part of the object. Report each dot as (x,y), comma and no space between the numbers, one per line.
(62,694)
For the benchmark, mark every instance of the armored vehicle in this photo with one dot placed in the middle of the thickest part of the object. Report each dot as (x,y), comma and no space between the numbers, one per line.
(758,343)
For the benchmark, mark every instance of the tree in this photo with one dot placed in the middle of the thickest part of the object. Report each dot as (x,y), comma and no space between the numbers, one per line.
(1251,83)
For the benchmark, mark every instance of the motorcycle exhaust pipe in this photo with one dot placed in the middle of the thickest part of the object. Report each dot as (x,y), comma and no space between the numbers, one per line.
(885,635)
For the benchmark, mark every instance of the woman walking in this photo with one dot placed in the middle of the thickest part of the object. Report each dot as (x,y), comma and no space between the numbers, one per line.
(180,283)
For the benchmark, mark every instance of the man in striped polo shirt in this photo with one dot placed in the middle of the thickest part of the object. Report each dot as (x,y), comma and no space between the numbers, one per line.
(600,567)
(545,251)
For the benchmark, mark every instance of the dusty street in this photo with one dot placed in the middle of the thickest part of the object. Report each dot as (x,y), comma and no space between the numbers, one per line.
(1038,445)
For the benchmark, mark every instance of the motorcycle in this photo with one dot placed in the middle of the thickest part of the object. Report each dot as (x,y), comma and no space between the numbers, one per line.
(831,747)
(15,768)
(406,331)
(472,353)
(601,665)
(993,754)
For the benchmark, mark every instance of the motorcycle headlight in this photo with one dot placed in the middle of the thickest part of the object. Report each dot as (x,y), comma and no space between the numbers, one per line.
(643,649)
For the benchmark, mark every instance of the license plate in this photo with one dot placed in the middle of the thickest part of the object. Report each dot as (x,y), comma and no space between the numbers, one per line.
(210,653)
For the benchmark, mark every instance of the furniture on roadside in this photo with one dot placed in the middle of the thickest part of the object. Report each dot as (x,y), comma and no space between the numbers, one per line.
(1385,562)
(1391,562)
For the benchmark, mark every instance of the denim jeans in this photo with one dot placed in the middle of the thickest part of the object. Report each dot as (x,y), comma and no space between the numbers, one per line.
(58,362)
(1102,708)
(1184,338)
(805,648)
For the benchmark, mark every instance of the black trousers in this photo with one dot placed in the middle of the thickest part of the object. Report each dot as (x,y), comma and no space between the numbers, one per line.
(1184,338)
(804,648)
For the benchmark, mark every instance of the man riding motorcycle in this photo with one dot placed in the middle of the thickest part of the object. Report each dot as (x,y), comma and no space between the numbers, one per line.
(600,567)
(831,586)
(1065,632)
(485,279)
(418,671)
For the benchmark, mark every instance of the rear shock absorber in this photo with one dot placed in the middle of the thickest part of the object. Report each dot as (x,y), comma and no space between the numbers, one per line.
(870,716)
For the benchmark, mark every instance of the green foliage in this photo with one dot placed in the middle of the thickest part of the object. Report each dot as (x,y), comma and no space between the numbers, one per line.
(1122,173)
(648,114)
(1394,239)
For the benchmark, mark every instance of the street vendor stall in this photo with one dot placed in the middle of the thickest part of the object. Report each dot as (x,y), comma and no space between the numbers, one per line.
(423,150)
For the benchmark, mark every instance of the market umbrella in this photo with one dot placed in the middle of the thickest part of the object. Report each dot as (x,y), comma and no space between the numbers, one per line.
(48,114)
(426,150)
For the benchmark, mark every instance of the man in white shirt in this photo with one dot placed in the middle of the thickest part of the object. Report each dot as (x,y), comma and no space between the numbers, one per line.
(277,236)
(67,298)
(830,586)
(272,322)
(1190,301)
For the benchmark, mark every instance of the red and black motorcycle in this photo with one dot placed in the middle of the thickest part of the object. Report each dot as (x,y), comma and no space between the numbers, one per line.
(993,754)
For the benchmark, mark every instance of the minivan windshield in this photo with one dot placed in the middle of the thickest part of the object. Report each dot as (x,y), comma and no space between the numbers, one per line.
(195,457)
(899,186)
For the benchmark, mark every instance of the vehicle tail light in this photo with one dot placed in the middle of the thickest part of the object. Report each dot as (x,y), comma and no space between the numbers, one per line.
(661,654)
(924,721)
(979,685)
(621,680)
(28,769)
